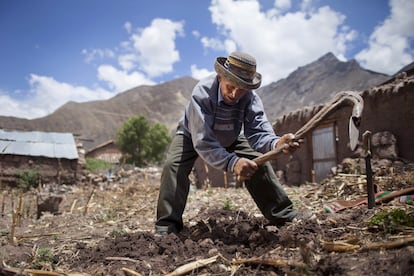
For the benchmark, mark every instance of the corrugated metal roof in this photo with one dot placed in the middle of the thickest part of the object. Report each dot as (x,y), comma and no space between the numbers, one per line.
(37,143)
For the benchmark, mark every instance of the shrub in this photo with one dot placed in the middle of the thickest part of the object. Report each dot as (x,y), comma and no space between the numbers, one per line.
(391,222)
(95,165)
(44,258)
(28,179)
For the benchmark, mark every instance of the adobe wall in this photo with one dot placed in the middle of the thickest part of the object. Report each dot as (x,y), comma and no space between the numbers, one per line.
(207,176)
(51,170)
(392,110)
(109,153)
(386,108)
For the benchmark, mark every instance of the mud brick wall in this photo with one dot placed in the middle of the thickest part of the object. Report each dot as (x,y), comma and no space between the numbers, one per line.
(108,152)
(386,108)
(50,170)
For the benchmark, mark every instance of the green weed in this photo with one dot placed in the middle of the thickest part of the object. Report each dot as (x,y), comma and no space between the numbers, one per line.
(391,222)
(96,165)
(44,259)
(28,179)
(227,205)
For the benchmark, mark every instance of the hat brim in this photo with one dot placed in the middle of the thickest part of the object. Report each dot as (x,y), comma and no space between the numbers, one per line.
(221,70)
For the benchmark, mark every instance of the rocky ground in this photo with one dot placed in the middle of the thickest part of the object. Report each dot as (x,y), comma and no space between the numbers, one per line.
(107,229)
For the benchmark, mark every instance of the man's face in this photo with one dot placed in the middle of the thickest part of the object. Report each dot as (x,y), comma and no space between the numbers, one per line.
(230,92)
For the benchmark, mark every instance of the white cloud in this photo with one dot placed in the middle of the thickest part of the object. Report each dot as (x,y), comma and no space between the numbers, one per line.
(46,95)
(212,43)
(151,52)
(196,34)
(281,42)
(94,54)
(14,108)
(51,93)
(306,5)
(127,61)
(283,4)
(230,45)
(119,80)
(199,73)
(155,46)
(389,45)
(128,27)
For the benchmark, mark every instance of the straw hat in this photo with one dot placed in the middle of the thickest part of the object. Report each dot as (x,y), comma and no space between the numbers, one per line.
(240,68)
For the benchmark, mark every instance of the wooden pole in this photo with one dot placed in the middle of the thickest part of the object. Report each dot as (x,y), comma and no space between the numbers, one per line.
(59,172)
(13,226)
(207,180)
(370,185)
(12,200)
(3,203)
(87,203)
(73,205)
(19,209)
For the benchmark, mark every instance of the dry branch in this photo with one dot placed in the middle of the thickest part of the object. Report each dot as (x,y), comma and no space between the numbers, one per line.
(131,272)
(36,272)
(87,203)
(389,244)
(38,235)
(121,259)
(8,270)
(184,269)
(73,205)
(339,246)
(269,261)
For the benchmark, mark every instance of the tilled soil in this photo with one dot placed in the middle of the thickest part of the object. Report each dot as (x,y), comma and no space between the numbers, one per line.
(113,234)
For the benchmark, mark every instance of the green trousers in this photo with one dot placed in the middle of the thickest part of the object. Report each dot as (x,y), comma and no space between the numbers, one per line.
(264,187)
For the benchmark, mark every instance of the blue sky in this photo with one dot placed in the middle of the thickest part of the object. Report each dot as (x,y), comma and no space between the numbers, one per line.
(55,51)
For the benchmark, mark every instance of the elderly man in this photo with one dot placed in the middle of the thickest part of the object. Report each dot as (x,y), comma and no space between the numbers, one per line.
(225,124)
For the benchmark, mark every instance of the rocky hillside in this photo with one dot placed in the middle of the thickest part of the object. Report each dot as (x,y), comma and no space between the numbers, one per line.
(316,83)
(96,122)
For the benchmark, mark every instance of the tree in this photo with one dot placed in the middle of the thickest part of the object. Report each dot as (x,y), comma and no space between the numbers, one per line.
(142,143)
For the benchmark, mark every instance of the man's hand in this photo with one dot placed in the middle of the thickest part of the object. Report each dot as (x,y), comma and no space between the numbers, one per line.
(290,141)
(245,168)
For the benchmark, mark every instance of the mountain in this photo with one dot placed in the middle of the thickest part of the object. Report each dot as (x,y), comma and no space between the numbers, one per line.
(96,122)
(314,84)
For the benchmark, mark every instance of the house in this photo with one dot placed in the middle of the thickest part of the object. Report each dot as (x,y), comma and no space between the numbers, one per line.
(388,110)
(53,155)
(107,151)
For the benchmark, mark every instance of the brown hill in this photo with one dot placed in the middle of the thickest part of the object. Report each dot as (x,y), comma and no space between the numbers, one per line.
(96,122)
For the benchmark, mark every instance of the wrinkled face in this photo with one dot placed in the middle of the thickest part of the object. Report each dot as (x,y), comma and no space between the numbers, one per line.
(230,92)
